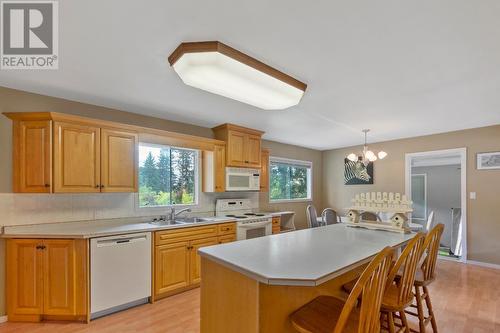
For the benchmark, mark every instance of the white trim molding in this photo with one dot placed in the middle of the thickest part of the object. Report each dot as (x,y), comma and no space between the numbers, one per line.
(3,319)
(483,264)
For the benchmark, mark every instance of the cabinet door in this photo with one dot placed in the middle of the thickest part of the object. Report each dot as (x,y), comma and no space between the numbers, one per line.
(264,171)
(59,277)
(235,149)
(220,168)
(171,267)
(24,279)
(195,261)
(118,161)
(252,150)
(32,156)
(76,158)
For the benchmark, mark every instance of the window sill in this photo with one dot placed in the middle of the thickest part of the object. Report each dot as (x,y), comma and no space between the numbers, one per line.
(289,201)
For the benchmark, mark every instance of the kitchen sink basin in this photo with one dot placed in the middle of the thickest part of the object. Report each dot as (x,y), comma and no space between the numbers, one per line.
(179,221)
(191,220)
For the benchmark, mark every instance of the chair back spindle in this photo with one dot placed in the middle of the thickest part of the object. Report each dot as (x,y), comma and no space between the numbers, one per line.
(407,261)
(371,286)
(431,249)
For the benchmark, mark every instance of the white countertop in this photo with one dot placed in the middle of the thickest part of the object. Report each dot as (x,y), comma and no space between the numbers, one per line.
(306,257)
(97,228)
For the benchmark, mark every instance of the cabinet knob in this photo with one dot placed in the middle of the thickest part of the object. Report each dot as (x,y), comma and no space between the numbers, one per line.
(47,185)
(97,186)
(102,186)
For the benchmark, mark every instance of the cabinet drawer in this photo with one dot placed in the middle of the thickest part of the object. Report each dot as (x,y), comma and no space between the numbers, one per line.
(227,239)
(177,235)
(227,228)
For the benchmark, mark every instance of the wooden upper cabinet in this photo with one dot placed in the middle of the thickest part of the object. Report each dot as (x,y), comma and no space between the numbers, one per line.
(253,151)
(32,159)
(119,151)
(77,158)
(264,171)
(243,145)
(214,169)
(236,149)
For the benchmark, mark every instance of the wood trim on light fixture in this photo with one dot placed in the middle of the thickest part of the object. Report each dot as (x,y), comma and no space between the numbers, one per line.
(215,46)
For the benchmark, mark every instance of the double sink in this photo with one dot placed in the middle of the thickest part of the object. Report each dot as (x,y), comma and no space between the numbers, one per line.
(179,221)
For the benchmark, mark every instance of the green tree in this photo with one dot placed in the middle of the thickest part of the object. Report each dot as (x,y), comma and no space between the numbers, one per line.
(164,171)
(149,173)
(183,176)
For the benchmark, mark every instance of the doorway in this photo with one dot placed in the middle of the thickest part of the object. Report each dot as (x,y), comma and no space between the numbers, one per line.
(436,183)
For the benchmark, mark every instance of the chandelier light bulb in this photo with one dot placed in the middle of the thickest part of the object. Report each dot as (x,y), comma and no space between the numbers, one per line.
(369,154)
(372,158)
(352,157)
(382,154)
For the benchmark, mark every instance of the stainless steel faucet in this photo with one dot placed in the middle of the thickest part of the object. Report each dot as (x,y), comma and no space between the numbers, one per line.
(173,213)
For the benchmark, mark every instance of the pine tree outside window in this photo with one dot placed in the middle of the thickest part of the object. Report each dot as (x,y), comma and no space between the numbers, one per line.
(167,176)
(290,180)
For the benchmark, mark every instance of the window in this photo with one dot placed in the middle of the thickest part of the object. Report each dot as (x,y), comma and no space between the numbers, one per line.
(289,180)
(167,175)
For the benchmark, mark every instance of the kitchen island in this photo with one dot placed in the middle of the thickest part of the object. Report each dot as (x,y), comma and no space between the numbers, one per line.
(254,285)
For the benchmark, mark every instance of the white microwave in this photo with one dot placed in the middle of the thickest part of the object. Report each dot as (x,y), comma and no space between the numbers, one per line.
(242,179)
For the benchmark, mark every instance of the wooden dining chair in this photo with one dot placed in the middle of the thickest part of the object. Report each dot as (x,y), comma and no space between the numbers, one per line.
(312,216)
(329,216)
(424,276)
(328,314)
(398,294)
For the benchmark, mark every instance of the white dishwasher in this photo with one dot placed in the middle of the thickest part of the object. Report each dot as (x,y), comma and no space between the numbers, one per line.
(120,272)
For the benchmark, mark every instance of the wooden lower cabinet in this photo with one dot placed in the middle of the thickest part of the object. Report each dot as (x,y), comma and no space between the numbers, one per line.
(276,225)
(47,279)
(195,261)
(171,267)
(177,265)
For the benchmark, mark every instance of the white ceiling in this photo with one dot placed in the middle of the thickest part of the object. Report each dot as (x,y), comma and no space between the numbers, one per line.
(401,68)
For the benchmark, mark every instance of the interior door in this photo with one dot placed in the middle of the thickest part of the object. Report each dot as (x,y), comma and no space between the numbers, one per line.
(171,267)
(59,277)
(76,158)
(32,140)
(236,152)
(252,150)
(195,267)
(119,161)
(24,278)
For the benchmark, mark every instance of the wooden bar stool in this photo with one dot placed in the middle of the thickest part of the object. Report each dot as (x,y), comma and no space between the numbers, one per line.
(398,293)
(424,277)
(329,314)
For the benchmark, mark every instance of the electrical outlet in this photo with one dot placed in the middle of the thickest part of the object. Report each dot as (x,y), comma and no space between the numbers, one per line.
(473,195)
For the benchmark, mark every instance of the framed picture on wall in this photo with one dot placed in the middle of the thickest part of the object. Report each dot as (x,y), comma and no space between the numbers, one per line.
(356,173)
(488,161)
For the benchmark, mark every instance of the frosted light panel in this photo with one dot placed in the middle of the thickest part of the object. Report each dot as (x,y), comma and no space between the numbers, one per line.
(219,74)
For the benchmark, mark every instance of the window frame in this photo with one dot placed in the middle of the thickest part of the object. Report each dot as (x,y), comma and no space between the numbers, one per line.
(197,178)
(310,175)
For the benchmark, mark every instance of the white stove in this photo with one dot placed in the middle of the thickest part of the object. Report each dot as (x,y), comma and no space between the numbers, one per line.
(249,224)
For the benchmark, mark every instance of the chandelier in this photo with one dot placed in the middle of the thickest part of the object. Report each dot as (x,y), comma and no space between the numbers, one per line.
(366,156)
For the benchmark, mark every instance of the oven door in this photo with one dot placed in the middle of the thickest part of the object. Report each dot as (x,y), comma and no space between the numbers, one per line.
(253,230)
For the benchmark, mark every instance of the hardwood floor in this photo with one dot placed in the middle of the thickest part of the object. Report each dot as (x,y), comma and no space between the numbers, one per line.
(466,299)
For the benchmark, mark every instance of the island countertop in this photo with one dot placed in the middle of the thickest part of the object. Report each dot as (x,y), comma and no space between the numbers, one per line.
(307,257)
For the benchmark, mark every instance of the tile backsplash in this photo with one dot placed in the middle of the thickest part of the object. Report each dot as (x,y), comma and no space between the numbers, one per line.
(19,209)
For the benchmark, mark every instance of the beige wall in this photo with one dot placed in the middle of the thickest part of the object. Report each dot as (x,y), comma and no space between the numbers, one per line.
(483,220)
(18,101)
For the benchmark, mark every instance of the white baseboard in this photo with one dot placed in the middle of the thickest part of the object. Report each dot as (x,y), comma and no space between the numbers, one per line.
(483,264)
(3,319)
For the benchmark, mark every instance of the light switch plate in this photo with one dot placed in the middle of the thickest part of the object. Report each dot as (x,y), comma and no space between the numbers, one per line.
(473,195)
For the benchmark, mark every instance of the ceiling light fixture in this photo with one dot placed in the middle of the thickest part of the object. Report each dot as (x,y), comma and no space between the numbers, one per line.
(220,69)
(366,156)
